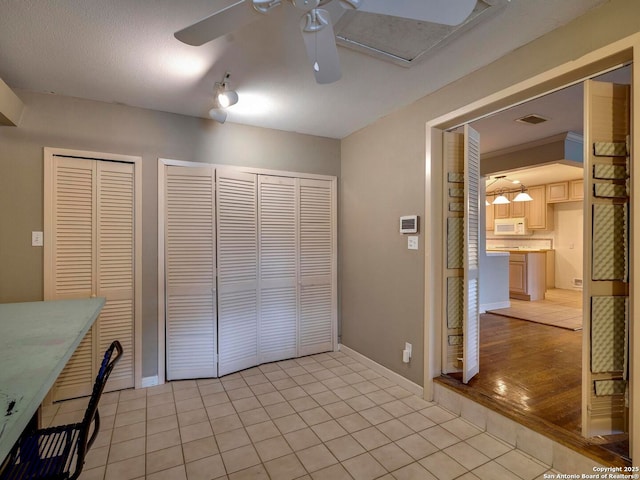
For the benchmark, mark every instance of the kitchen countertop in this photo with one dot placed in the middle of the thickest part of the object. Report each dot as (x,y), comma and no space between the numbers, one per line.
(519,250)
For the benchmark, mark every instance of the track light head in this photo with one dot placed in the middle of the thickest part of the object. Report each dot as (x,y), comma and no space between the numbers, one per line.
(218,115)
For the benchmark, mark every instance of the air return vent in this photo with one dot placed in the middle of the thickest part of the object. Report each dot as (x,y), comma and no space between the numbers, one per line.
(403,41)
(532,119)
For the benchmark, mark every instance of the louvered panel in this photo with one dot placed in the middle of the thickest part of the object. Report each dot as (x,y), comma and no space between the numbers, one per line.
(73,228)
(191,335)
(115,262)
(278,247)
(471,318)
(77,376)
(316,293)
(237,256)
(278,324)
(190,272)
(238,328)
(278,239)
(115,228)
(237,228)
(315,229)
(316,333)
(73,250)
(116,323)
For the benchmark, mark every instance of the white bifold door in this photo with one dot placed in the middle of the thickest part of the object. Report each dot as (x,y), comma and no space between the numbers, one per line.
(89,251)
(461,342)
(265,258)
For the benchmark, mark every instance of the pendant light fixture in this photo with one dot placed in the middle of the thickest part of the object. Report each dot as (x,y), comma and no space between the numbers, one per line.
(523,196)
(501,199)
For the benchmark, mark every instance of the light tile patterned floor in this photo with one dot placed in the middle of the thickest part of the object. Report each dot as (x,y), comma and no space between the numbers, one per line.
(560,308)
(322,417)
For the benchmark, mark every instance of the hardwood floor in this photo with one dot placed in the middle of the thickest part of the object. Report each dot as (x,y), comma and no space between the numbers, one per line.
(532,367)
(532,373)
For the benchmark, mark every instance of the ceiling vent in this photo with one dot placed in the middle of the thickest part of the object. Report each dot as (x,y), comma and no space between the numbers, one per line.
(532,119)
(403,41)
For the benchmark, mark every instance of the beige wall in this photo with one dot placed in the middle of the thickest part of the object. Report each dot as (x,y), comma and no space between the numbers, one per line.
(383,174)
(55,121)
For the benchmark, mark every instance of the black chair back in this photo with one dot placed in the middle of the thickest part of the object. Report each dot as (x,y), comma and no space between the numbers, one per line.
(91,413)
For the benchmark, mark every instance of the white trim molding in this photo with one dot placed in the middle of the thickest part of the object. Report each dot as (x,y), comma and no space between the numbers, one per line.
(150,381)
(384,371)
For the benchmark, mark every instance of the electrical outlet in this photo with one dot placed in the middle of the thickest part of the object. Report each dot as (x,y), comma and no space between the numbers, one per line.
(409,348)
(412,243)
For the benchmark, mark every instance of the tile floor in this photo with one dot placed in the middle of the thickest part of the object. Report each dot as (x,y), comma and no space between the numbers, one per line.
(560,308)
(325,416)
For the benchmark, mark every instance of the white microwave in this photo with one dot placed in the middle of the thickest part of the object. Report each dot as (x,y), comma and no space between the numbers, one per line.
(510,226)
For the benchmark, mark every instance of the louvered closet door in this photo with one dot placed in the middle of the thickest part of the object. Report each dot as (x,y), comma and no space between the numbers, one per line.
(73,260)
(471,319)
(115,266)
(93,254)
(316,295)
(236,202)
(190,272)
(278,245)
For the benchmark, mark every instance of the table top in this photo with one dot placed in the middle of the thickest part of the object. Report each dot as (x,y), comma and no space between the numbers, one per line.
(36,341)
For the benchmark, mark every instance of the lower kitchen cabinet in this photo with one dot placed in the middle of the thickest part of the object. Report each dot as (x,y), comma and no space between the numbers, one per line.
(527,275)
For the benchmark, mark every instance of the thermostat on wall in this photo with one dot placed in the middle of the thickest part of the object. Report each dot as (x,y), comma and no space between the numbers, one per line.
(409,224)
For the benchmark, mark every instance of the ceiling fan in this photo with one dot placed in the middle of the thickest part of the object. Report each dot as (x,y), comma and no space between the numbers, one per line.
(316,26)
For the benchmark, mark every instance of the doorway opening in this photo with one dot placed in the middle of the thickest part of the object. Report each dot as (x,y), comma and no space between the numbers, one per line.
(531,332)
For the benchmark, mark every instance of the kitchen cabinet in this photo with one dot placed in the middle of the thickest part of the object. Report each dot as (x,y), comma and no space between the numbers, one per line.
(502,210)
(570,191)
(518,209)
(510,210)
(558,192)
(489,217)
(527,275)
(540,215)
(576,190)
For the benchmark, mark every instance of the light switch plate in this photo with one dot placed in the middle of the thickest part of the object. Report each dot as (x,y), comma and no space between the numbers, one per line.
(412,243)
(37,239)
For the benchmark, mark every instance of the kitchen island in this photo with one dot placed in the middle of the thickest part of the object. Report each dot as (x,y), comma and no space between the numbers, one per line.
(531,272)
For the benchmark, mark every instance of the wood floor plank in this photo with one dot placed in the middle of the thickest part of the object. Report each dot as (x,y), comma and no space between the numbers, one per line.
(532,373)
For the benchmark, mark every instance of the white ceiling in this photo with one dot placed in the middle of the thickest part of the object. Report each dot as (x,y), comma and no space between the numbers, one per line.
(123,51)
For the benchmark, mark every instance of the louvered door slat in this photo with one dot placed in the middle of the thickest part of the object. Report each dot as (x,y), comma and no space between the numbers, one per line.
(316,250)
(73,261)
(190,272)
(278,330)
(237,248)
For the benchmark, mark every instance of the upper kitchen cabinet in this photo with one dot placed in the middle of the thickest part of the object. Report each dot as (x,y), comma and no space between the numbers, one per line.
(490,216)
(570,191)
(540,212)
(509,210)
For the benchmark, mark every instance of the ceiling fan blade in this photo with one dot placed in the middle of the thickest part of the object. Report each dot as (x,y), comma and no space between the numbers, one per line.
(318,36)
(220,23)
(447,12)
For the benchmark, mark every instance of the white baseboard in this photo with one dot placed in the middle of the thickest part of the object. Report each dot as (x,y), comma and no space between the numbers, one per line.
(494,306)
(149,381)
(384,371)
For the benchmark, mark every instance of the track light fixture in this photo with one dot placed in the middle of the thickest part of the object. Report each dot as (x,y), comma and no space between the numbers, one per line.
(223,98)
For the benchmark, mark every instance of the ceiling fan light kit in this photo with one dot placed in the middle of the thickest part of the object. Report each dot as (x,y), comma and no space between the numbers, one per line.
(316,25)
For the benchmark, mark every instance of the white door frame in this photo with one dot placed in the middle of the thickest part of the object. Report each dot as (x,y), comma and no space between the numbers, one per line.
(575,71)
